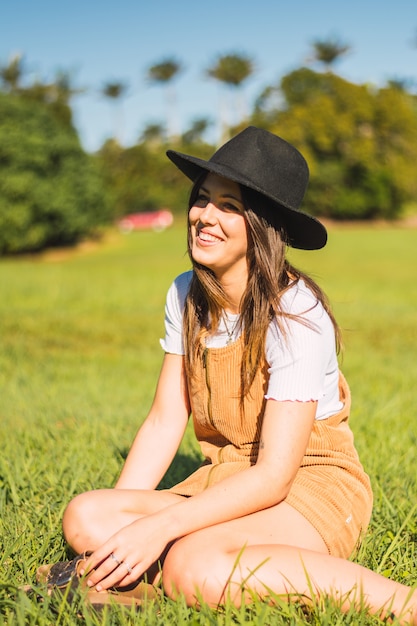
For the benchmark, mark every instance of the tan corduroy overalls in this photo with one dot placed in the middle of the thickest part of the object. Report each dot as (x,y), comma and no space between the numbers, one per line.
(330,489)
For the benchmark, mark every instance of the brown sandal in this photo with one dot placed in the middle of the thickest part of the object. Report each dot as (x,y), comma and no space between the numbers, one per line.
(64,578)
(59,574)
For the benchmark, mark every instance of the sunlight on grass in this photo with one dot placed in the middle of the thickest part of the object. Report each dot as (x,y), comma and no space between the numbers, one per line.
(79,359)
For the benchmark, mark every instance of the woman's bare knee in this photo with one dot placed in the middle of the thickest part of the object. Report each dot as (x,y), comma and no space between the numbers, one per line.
(81,521)
(91,518)
(195,573)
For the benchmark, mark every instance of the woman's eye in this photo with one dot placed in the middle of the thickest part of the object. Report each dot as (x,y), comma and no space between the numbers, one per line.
(201,199)
(232,207)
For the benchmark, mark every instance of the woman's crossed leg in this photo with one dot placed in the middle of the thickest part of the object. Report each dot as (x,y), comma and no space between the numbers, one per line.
(274,552)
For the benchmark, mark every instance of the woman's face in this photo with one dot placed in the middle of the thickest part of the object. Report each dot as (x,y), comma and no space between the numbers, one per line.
(219,237)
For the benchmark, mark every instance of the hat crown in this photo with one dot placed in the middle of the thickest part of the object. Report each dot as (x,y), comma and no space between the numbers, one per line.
(266,163)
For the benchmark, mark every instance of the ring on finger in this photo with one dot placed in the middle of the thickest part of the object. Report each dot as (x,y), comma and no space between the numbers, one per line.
(115,559)
(127,566)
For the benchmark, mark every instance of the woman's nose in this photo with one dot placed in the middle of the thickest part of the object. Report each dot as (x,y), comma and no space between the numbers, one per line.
(208,214)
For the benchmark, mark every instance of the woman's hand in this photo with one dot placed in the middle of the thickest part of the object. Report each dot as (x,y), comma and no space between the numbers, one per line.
(126,555)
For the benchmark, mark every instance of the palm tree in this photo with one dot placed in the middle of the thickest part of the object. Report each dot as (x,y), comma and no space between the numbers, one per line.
(195,133)
(114,91)
(401,84)
(12,73)
(231,70)
(153,134)
(163,73)
(64,87)
(60,92)
(327,51)
(54,94)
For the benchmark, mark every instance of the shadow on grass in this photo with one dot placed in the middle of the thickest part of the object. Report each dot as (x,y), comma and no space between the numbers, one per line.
(182,466)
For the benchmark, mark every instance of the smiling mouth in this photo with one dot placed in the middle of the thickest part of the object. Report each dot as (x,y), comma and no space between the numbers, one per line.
(208,238)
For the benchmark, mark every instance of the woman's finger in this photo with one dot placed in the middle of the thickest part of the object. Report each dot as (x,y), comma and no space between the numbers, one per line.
(120,577)
(112,571)
(97,567)
(94,561)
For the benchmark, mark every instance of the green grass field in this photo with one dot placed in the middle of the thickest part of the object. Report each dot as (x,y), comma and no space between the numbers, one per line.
(79,358)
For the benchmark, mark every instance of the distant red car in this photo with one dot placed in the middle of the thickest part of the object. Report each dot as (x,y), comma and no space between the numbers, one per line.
(155,220)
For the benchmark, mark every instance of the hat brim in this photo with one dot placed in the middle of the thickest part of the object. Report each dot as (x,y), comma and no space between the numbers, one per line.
(304,231)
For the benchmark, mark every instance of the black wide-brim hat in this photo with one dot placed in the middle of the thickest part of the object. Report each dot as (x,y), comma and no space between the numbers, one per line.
(265,163)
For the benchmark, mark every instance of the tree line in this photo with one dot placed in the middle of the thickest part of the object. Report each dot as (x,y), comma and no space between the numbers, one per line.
(360,142)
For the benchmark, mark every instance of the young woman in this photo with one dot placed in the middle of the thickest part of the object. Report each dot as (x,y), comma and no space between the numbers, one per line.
(281,500)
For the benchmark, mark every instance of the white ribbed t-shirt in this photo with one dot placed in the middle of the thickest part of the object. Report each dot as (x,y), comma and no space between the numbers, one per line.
(302,366)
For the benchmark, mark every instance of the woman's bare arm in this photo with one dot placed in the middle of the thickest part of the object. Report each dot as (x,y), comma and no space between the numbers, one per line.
(158,439)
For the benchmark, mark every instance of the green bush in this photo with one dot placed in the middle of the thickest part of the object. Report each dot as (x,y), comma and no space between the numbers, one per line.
(360,143)
(141,178)
(51,191)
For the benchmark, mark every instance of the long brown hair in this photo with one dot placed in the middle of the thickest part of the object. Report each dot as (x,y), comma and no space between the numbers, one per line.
(270,275)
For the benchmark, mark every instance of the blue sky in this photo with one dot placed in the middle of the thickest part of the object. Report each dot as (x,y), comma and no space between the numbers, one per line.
(104,41)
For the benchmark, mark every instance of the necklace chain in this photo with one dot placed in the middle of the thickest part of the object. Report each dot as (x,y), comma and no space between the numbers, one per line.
(229,332)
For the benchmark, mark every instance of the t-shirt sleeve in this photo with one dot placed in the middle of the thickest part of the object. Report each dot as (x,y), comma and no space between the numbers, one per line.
(174,312)
(300,360)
